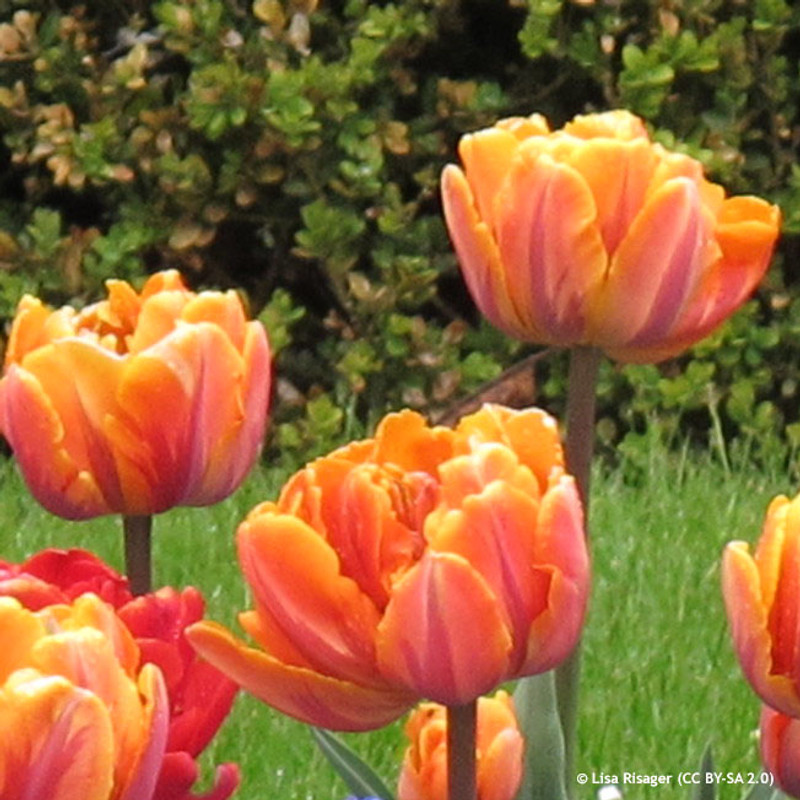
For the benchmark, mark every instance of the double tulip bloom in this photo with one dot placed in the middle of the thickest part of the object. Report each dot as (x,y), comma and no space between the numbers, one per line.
(499,748)
(195,698)
(762,598)
(78,718)
(138,403)
(422,563)
(595,235)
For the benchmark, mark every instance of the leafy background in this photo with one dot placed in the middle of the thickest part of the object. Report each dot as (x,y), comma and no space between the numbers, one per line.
(292,150)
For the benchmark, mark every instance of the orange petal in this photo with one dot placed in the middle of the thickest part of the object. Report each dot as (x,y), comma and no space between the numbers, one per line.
(54,462)
(221,308)
(301,693)
(56,741)
(487,156)
(480,260)
(655,269)
(550,244)
(531,433)
(494,532)
(405,440)
(561,563)
(619,193)
(303,597)
(747,617)
(21,630)
(443,634)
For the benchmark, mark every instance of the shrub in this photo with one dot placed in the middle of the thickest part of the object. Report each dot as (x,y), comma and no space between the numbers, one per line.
(293,150)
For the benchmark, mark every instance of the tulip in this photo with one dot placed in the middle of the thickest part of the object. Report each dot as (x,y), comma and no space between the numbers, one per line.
(594,235)
(78,719)
(762,599)
(199,697)
(138,403)
(780,749)
(422,563)
(499,748)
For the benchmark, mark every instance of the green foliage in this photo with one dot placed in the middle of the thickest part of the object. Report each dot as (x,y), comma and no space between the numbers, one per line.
(293,149)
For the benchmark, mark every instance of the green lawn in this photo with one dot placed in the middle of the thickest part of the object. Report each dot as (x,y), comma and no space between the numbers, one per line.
(659,681)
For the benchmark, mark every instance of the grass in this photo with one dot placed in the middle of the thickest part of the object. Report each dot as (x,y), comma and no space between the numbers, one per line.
(659,682)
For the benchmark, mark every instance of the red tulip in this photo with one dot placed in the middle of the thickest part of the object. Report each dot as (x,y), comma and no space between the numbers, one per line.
(762,598)
(138,403)
(422,563)
(595,235)
(780,749)
(499,749)
(199,697)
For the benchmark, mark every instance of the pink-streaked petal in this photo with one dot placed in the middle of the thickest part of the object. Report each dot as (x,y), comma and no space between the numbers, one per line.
(494,532)
(480,260)
(303,598)
(654,272)
(619,192)
(55,463)
(443,634)
(550,243)
(56,741)
(141,781)
(301,693)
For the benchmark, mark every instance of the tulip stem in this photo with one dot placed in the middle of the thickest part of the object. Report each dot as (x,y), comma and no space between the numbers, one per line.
(579,448)
(138,567)
(461,761)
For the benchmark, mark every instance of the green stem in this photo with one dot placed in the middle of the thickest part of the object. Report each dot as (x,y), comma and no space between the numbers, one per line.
(461,762)
(579,449)
(138,562)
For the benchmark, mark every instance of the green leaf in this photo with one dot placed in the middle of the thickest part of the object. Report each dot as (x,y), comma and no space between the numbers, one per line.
(705,791)
(537,712)
(359,776)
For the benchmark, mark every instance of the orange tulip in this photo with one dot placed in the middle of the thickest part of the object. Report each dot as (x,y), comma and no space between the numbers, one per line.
(499,748)
(762,598)
(422,563)
(594,235)
(780,749)
(78,720)
(138,403)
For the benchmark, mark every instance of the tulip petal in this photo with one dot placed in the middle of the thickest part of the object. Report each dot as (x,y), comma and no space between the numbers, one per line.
(653,274)
(500,766)
(480,260)
(548,234)
(21,630)
(747,616)
(55,460)
(619,192)
(487,156)
(746,232)
(143,772)
(301,693)
(443,634)
(493,532)
(531,433)
(58,737)
(304,600)
(780,748)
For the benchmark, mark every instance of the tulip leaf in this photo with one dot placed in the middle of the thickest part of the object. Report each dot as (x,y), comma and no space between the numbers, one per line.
(537,712)
(763,791)
(707,790)
(359,777)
